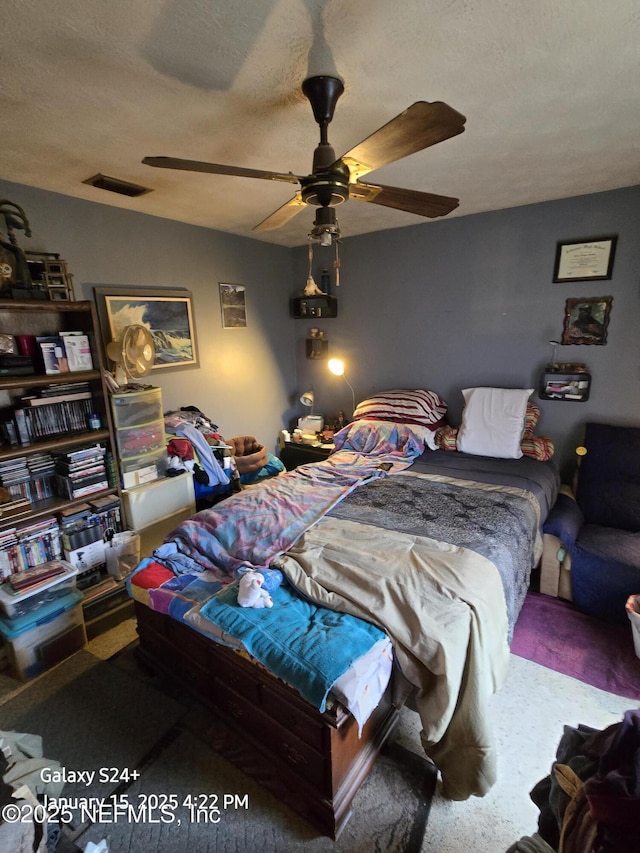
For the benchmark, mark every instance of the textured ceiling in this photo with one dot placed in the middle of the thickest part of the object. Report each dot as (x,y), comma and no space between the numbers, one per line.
(550,89)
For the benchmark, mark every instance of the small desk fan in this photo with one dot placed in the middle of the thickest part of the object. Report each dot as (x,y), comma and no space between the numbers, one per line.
(133,355)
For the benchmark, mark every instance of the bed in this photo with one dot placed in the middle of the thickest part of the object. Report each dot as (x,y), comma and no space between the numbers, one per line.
(411,563)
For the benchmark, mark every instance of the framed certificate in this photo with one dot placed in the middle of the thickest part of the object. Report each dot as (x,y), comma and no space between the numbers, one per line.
(585,260)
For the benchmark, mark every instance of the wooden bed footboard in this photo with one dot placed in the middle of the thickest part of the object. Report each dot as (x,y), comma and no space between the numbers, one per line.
(313,762)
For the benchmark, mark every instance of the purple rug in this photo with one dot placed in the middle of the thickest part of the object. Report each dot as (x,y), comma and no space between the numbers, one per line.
(551,632)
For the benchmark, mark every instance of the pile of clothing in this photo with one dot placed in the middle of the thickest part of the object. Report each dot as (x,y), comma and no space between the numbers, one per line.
(590,801)
(219,467)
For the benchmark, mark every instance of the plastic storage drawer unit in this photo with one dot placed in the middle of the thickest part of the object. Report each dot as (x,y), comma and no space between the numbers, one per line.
(45,636)
(140,435)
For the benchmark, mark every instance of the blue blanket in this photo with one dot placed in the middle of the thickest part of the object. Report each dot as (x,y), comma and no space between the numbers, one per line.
(307,646)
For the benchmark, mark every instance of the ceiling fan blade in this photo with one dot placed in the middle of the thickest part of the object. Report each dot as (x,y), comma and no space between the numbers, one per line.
(218,169)
(282,215)
(424,204)
(421,125)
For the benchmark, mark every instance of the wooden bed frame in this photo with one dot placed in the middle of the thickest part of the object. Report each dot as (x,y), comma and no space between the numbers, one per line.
(313,762)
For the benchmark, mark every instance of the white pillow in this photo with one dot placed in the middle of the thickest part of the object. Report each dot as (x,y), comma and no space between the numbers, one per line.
(493,421)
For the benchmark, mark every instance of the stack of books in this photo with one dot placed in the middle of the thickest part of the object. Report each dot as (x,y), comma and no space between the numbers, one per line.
(80,472)
(55,393)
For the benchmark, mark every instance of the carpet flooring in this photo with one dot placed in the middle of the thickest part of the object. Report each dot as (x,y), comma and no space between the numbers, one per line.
(94,713)
(553,633)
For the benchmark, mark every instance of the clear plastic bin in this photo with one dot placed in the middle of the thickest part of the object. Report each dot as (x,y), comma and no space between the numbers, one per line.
(136,407)
(46,636)
(13,604)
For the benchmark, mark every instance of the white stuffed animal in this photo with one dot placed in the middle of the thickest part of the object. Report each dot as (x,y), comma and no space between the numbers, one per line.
(251,593)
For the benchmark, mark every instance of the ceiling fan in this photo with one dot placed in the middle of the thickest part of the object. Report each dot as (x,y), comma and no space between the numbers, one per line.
(334,180)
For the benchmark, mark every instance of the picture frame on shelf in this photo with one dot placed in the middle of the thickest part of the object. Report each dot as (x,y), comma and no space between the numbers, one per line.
(233,305)
(166,312)
(585,260)
(586,320)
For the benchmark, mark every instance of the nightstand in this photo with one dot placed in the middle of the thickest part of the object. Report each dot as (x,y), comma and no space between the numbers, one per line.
(295,453)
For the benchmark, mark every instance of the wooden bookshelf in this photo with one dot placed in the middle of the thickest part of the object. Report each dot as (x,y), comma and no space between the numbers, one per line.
(49,317)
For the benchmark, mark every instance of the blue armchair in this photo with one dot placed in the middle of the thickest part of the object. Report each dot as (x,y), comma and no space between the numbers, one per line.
(594,539)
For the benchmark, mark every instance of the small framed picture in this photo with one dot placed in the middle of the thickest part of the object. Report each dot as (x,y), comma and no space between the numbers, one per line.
(586,320)
(585,260)
(233,306)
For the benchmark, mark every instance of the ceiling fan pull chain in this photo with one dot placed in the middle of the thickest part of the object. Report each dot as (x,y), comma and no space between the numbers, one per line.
(336,264)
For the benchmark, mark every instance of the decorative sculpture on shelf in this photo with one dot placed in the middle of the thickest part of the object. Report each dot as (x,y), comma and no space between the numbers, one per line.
(15,278)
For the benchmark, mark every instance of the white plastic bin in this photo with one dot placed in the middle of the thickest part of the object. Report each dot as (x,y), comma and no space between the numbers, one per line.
(633,612)
(154,501)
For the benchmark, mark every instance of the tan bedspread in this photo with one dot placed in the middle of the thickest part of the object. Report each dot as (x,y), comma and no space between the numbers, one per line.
(443,607)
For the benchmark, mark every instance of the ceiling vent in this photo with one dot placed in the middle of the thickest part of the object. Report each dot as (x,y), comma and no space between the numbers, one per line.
(115,185)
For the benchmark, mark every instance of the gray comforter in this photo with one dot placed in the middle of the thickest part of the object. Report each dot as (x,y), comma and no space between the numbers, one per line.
(441,560)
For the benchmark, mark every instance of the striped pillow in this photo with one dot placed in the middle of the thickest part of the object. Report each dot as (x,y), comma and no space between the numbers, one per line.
(539,447)
(424,408)
(531,418)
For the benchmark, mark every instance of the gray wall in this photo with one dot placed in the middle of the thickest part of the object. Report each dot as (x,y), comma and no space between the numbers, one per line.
(246,376)
(470,301)
(445,305)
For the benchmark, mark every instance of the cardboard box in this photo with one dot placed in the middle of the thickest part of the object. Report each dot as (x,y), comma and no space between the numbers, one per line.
(78,351)
(53,354)
(88,557)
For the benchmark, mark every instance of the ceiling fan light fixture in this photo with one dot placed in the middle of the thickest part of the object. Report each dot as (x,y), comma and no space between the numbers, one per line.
(335,180)
(325,226)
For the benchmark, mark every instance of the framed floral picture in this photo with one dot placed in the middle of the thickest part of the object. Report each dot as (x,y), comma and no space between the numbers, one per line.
(586,320)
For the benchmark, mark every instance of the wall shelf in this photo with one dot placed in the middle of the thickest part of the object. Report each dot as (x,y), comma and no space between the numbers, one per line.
(314,307)
(573,387)
(317,348)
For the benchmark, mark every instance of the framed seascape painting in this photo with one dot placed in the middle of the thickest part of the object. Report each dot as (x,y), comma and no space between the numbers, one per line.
(167,313)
